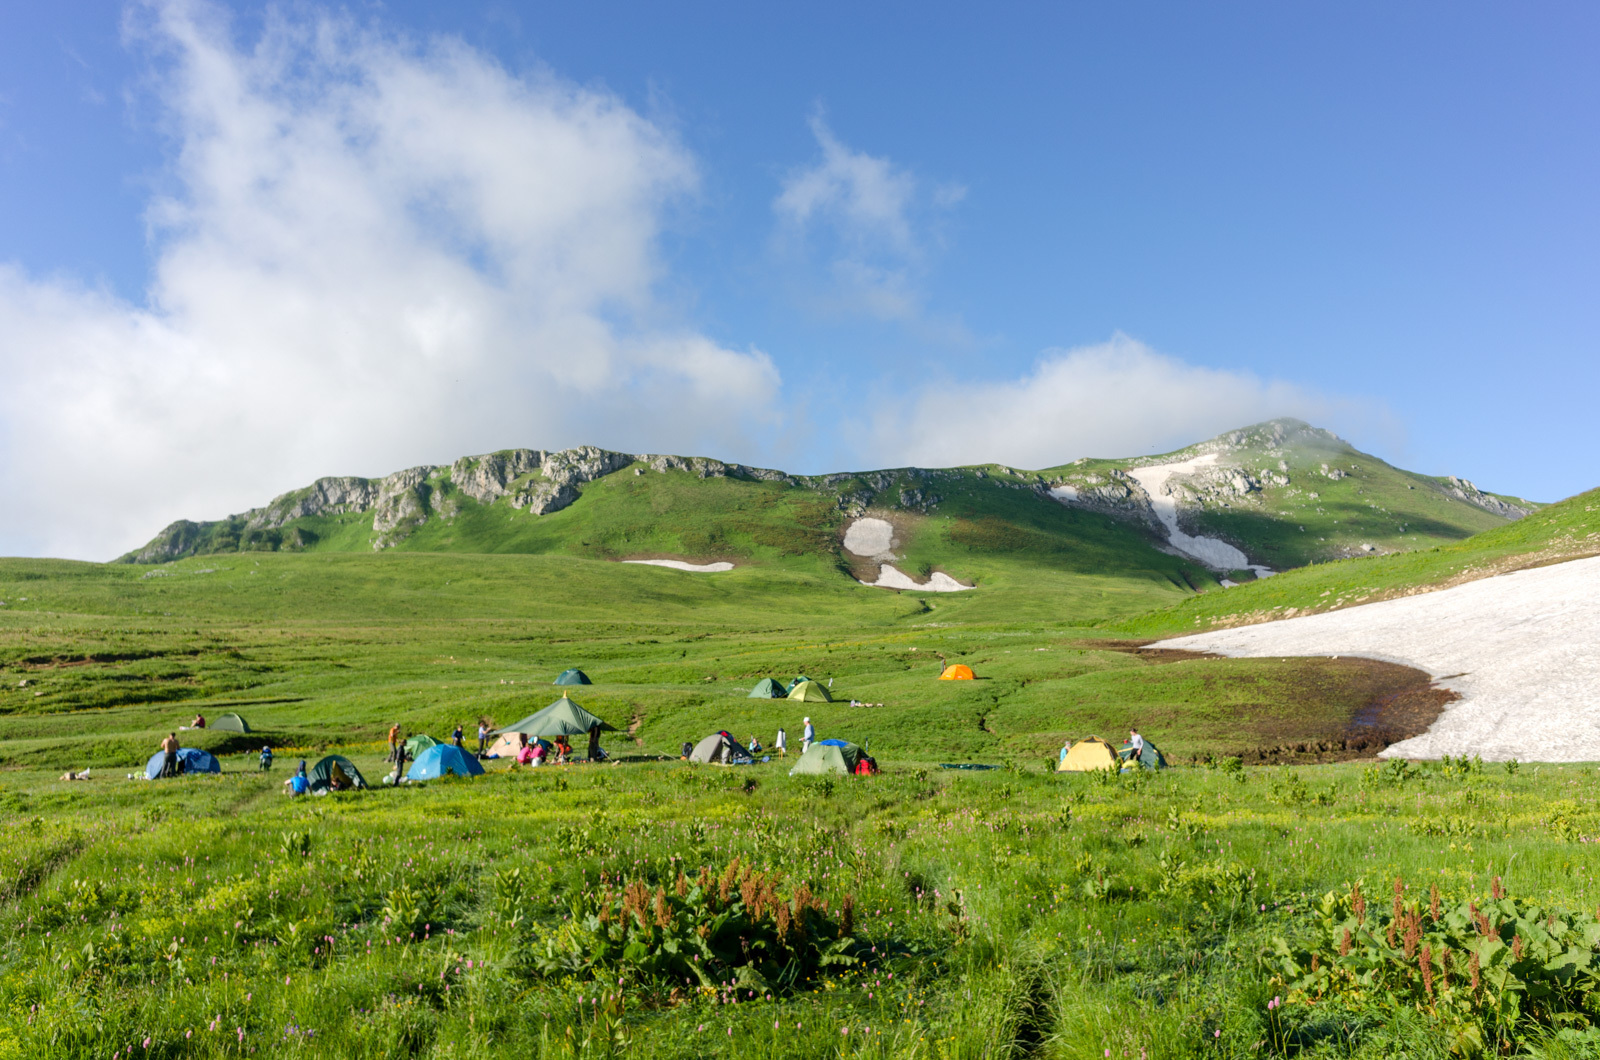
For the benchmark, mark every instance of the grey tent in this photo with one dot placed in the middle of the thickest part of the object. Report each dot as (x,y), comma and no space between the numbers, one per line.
(828,758)
(719,748)
(230,723)
(322,774)
(768,688)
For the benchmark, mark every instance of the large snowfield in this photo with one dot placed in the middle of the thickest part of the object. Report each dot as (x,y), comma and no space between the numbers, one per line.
(1521,649)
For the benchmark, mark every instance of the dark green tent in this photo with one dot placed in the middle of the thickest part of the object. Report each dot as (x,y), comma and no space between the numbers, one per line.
(828,758)
(573,677)
(321,774)
(1151,759)
(230,723)
(417,744)
(561,718)
(790,686)
(768,688)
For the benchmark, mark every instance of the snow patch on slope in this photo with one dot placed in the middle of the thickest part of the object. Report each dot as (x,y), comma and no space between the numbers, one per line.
(678,564)
(869,537)
(892,577)
(1213,552)
(1521,649)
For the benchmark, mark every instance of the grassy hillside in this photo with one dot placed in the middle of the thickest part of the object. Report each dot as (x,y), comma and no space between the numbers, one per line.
(1567,530)
(1287,494)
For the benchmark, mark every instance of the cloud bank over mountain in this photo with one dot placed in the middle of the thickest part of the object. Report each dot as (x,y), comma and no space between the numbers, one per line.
(1115,398)
(373,251)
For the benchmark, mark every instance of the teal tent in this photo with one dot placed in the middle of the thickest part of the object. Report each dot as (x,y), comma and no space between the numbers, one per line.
(1151,759)
(767,688)
(573,677)
(322,774)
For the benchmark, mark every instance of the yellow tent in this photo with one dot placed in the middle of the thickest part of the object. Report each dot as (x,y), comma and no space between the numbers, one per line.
(958,672)
(1089,753)
(810,692)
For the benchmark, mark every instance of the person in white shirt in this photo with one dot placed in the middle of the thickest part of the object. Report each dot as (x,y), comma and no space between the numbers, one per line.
(807,736)
(1136,742)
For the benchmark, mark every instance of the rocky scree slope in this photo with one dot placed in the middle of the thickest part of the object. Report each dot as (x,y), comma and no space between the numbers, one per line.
(1253,480)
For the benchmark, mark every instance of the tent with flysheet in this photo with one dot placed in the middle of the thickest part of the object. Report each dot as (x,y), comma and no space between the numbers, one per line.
(335,768)
(809,692)
(510,744)
(190,760)
(719,748)
(1087,755)
(1152,758)
(767,688)
(230,723)
(443,758)
(573,677)
(419,743)
(958,672)
(834,756)
(564,717)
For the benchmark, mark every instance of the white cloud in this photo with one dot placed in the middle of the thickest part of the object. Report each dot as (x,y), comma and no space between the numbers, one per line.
(873,222)
(376,252)
(1117,398)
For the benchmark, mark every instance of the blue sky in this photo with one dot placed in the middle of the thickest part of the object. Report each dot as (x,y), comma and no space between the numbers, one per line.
(243,247)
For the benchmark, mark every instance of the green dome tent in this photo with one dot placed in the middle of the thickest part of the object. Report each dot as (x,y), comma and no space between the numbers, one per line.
(790,686)
(768,688)
(823,758)
(1151,759)
(573,677)
(810,692)
(230,723)
(417,744)
(561,718)
(321,775)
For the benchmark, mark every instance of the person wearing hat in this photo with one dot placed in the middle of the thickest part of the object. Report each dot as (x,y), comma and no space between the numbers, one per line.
(807,736)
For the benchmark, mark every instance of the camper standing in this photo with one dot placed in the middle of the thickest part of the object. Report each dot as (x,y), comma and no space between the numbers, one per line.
(394,742)
(169,766)
(1136,746)
(483,736)
(807,735)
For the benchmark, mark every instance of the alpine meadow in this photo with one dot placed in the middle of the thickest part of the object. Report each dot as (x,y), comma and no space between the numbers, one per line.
(1270,888)
(637,531)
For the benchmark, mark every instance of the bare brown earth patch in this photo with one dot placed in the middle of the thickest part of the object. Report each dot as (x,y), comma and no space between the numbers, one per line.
(1275,710)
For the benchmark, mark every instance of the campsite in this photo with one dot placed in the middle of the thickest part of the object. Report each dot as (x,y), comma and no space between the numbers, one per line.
(979,888)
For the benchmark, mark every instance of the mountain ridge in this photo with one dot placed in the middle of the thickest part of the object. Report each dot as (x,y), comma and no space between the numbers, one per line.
(1241,489)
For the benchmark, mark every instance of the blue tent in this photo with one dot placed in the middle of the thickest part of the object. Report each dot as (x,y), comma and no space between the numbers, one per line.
(190,760)
(443,758)
(834,743)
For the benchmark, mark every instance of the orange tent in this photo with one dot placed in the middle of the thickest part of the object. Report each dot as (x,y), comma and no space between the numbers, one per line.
(958,672)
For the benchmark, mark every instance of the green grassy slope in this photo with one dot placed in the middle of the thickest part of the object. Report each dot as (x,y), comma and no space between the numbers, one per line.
(1566,530)
(97,661)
